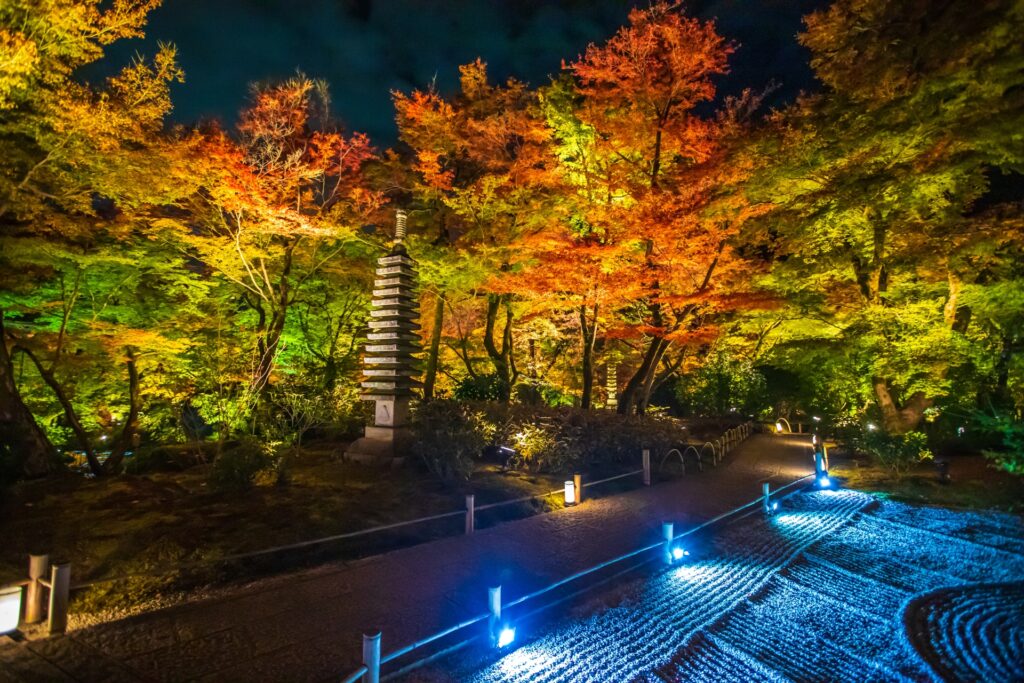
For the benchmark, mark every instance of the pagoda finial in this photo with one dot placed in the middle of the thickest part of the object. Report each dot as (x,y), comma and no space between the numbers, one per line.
(400,217)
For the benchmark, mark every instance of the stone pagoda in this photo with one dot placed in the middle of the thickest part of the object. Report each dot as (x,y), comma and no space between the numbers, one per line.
(389,364)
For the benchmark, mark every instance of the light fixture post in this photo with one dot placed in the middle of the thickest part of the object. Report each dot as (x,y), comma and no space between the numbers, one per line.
(494,607)
(667,532)
(371,657)
(766,493)
(647,467)
(577,483)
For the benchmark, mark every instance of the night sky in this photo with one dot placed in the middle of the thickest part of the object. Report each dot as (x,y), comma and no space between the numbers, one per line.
(366,48)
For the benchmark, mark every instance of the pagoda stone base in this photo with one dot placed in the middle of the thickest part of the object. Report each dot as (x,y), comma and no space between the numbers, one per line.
(387,441)
(380,446)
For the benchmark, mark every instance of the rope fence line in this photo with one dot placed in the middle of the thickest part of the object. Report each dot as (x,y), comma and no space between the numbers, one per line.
(373,674)
(469,513)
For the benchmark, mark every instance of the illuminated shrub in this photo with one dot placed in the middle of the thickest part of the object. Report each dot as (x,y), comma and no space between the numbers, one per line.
(566,439)
(447,436)
(895,452)
(480,388)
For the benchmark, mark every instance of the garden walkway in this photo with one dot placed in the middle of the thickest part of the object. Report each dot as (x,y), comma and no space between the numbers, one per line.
(308,625)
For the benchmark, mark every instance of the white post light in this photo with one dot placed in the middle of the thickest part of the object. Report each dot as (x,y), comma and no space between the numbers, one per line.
(10,608)
(570,492)
(647,467)
(766,494)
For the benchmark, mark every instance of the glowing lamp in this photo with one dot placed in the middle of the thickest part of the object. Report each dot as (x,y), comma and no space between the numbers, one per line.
(816,418)
(10,608)
(679,553)
(775,506)
(824,482)
(507,635)
(570,493)
(778,427)
(871,427)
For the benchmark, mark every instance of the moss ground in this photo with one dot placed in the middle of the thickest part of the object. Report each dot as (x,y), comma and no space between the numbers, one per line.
(973,484)
(145,524)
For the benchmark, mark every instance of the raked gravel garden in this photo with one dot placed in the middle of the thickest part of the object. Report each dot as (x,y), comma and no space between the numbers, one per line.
(837,586)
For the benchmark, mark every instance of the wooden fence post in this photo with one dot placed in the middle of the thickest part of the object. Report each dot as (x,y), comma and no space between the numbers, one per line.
(470,513)
(38,566)
(60,587)
(577,483)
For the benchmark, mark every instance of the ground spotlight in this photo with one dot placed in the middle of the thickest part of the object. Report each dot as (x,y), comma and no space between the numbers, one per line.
(679,553)
(506,636)
(824,482)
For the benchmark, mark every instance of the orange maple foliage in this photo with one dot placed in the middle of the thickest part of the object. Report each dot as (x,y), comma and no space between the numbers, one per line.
(667,175)
(275,206)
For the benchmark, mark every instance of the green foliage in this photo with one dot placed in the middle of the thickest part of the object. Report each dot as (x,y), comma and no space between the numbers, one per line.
(448,436)
(896,452)
(723,384)
(541,447)
(566,439)
(237,468)
(1010,430)
(480,388)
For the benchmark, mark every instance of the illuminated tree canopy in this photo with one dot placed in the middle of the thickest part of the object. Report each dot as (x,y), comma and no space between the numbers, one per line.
(857,252)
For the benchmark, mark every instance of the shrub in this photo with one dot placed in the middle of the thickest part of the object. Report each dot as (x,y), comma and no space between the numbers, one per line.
(542,447)
(480,388)
(447,436)
(896,452)
(1010,431)
(566,439)
(236,469)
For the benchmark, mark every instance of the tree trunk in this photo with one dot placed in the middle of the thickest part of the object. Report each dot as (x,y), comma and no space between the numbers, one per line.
(69,410)
(267,346)
(23,444)
(897,420)
(648,385)
(500,358)
(631,394)
(589,333)
(131,423)
(430,376)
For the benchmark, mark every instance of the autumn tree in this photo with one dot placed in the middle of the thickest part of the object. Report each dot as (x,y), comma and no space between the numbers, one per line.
(661,166)
(879,184)
(72,155)
(478,161)
(276,208)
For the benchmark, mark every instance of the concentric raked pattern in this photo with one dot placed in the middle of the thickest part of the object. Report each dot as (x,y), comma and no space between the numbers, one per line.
(971,633)
(817,592)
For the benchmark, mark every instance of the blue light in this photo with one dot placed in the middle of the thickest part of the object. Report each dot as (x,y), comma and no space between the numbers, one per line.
(678,553)
(824,482)
(507,635)
(775,506)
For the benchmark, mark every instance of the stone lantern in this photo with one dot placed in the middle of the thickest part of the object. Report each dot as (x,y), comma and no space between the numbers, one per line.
(390,364)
